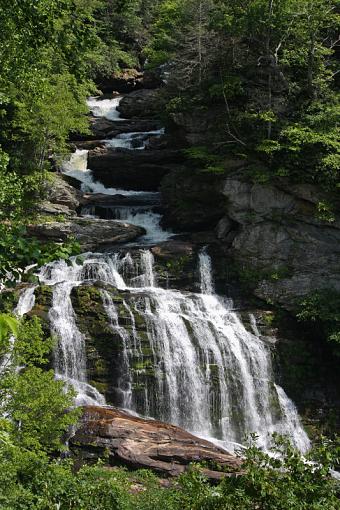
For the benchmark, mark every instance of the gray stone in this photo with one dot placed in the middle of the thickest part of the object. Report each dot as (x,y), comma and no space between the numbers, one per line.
(280,236)
(60,192)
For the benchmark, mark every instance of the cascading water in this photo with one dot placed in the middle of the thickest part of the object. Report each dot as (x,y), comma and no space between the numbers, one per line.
(137,140)
(106,108)
(69,355)
(204,371)
(193,363)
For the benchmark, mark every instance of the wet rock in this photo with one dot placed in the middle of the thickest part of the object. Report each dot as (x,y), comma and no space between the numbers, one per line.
(139,443)
(90,233)
(104,129)
(133,170)
(142,103)
(119,200)
(89,144)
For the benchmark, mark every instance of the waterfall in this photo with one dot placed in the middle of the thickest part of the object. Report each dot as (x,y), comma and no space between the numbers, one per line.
(135,215)
(204,371)
(69,354)
(25,304)
(186,358)
(136,140)
(205,270)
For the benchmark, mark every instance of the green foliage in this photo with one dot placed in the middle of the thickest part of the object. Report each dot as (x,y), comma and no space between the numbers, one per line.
(35,402)
(272,70)
(323,308)
(8,325)
(18,251)
(209,162)
(270,483)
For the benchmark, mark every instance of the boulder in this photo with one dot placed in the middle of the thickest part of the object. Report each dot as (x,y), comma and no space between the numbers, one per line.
(100,199)
(128,80)
(124,81)
(90,233)
(59,191)
(49,209)
(133,170)
(142,104)
(140,443)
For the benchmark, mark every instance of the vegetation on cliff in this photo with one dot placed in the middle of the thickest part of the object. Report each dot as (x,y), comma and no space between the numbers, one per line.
(270,68)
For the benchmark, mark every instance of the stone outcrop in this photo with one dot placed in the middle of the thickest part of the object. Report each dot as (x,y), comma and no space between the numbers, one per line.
(90,233)
(60,197)
(139,443)
(139,170)
(280,236)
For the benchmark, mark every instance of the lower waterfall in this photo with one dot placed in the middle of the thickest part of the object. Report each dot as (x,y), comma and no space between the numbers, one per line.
(204,370)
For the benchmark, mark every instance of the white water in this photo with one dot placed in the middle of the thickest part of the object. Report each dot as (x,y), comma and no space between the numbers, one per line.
(137,215)
(70,354)
(106,108)
(25,304)
(209,374)
(133,141)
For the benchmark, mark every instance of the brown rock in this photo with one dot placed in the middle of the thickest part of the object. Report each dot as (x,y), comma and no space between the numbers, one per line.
(170,249)
(140,443)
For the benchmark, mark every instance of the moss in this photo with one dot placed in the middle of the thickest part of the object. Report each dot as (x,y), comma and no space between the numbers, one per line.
(102,387)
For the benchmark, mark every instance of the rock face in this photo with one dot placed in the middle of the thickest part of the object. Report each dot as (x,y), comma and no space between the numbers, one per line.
(199,127)
(90,233)
(139,170)
(280,235)
(150,444)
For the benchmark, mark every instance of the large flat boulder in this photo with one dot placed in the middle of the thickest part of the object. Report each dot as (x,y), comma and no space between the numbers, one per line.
(140,443)
(128,80)
(90,233)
